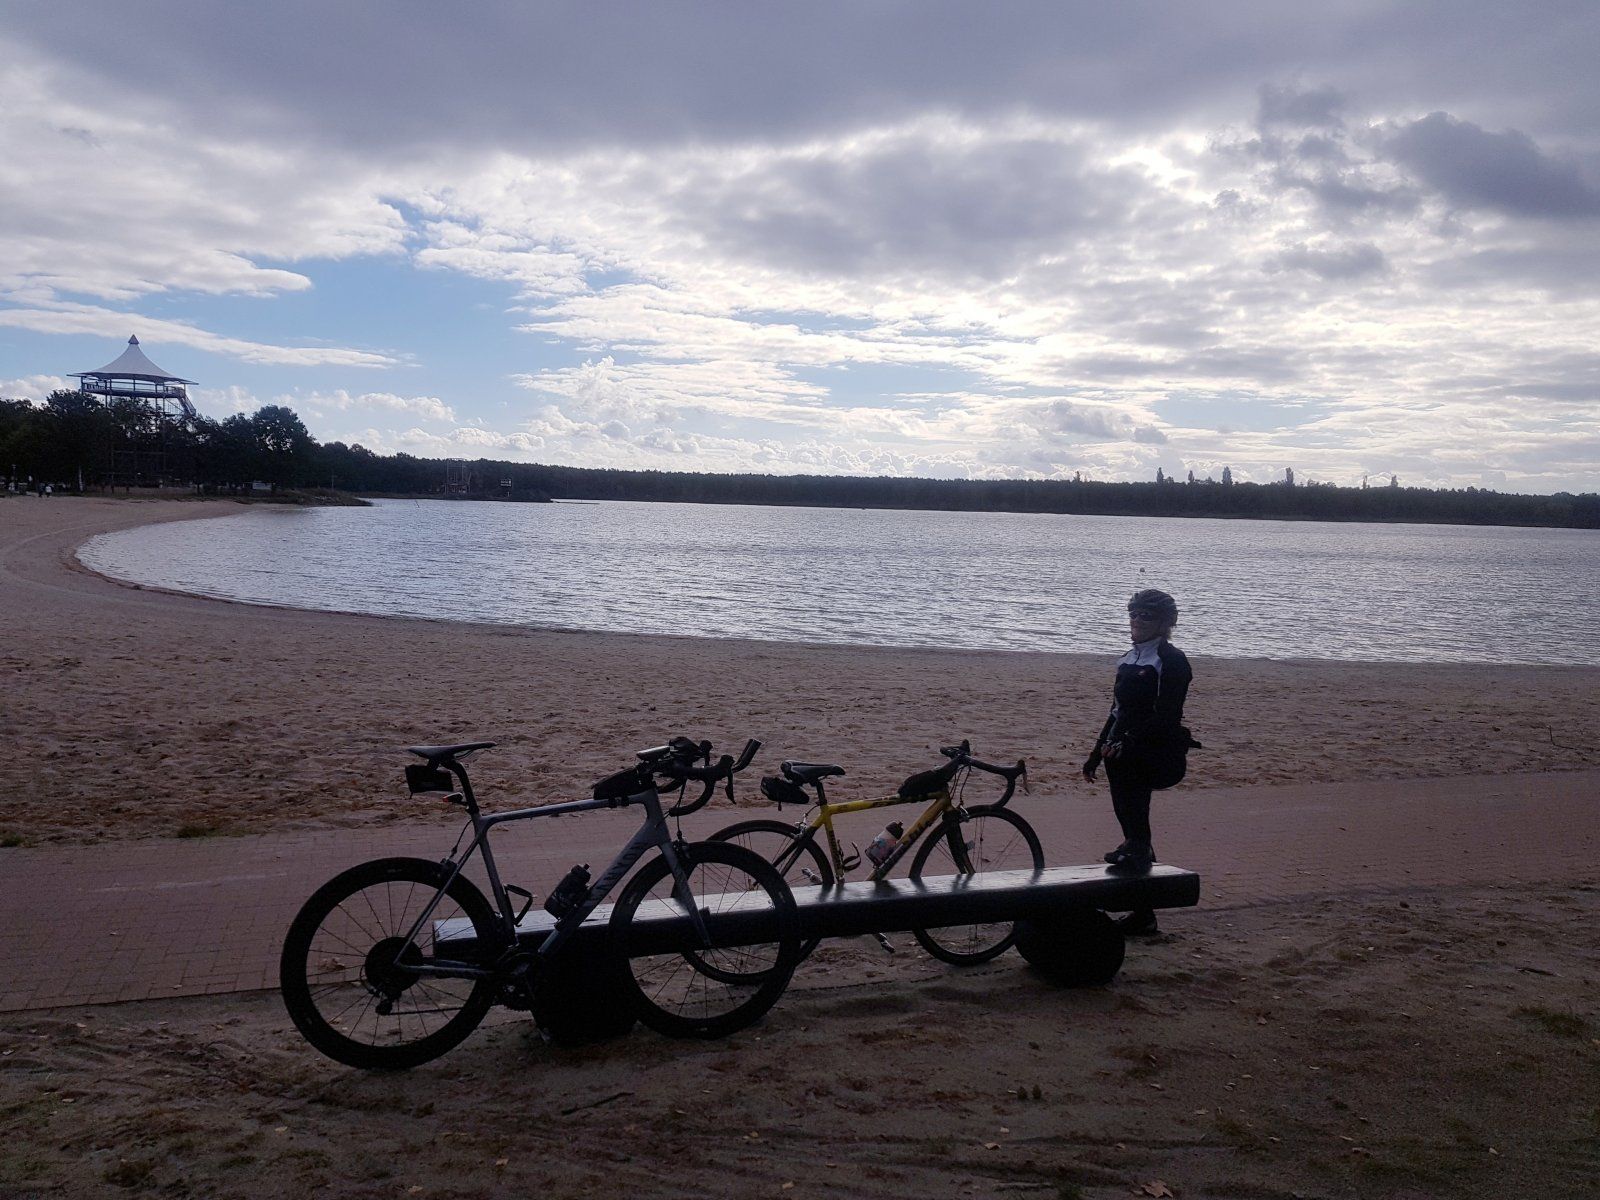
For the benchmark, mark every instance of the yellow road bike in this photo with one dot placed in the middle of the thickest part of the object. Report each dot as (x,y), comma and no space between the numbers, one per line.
(963,840)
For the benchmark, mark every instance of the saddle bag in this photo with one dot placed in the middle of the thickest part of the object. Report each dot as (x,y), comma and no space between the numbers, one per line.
(927,783)
(781,791)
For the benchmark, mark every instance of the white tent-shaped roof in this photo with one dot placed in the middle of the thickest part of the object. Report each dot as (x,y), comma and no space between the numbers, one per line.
(132,364)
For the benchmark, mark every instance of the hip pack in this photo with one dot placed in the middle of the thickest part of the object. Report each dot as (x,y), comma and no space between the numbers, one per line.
(1167,762)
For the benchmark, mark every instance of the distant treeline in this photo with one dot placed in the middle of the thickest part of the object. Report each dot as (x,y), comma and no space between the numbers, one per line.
(73,434)
(76,441)
(1202,498)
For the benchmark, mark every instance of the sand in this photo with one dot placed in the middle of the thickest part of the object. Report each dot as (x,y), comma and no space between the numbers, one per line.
(142,714)
(1437,1044)
(1425,1042)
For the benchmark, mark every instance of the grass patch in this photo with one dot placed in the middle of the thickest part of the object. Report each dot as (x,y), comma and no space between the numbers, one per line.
(197,831)
(8,840)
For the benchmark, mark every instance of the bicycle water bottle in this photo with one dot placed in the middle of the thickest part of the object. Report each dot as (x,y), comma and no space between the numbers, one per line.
(572,891)
(882,846)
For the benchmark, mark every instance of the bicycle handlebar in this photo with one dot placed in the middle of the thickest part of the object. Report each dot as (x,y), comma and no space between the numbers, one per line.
(962,754)
(676,763)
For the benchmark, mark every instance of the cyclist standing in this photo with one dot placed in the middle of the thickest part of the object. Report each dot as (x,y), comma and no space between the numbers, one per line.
(1143,743)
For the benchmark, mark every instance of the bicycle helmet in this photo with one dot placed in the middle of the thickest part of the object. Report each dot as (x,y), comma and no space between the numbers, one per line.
(1155,601)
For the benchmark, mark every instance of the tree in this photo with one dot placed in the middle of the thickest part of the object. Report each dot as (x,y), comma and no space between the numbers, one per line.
(22,439)
(287,449)
(79,434)
(1227,476)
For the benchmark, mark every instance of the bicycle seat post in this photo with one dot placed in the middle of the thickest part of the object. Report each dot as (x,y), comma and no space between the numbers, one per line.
(468,800)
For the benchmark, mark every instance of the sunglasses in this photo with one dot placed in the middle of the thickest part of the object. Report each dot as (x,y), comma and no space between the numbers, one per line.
(1143,614)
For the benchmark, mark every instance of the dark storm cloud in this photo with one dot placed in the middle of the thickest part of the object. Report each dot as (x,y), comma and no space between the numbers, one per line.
(1505,172)
(1344,262)
(975,210)
(525,76)
(1286,106)
(1068,417)
(1565,267)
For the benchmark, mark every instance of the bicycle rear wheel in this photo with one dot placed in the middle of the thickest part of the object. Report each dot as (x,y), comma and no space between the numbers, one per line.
(347,974)
(755,932)
(989,839)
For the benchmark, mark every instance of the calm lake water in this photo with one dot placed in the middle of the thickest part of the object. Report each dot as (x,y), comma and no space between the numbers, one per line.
(1258,589)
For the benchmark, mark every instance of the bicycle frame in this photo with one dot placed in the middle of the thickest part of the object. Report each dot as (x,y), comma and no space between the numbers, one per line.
(943,803)
(652,833)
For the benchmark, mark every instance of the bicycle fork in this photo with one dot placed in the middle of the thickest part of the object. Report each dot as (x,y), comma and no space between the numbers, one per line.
(684,894)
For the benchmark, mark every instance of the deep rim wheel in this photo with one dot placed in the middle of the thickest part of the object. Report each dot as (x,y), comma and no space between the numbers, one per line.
(343,965)
(672,991)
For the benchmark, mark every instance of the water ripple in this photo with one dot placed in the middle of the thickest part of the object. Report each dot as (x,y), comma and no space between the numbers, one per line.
(1254,589)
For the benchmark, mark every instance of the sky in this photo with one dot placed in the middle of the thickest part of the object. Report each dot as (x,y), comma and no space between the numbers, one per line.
(1007,240)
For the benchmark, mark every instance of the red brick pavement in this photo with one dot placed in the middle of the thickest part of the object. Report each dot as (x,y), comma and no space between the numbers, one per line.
(134,920)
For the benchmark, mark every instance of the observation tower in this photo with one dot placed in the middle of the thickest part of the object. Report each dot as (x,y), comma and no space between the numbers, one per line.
(133,376)
(160,408)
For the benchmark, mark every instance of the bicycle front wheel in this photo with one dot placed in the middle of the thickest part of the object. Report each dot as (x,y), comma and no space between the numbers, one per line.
(798,859)
(989,839)
(754,929)
(350,979)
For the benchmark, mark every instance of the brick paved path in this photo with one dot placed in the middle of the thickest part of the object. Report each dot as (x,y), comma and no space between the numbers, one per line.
(133,920)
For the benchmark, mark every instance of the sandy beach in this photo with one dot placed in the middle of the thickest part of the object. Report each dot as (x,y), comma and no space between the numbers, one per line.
(143,714)
(1438,1041)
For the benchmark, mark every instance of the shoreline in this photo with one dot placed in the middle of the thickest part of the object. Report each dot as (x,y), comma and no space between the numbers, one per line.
(140,712)
(865,647)
(1314,1036)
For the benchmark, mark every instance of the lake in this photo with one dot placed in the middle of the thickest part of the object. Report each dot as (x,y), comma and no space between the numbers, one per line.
(1005,581)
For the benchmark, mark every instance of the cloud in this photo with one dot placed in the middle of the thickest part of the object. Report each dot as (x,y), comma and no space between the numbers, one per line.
(1282,105)
(429,407)
(1333,262)
(1503,172)
(762,235)
(35,387)
(108,323)
(1094,422)
(940,199)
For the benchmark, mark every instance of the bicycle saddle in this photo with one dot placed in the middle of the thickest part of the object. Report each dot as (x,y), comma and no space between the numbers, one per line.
(437,754)
(809,772)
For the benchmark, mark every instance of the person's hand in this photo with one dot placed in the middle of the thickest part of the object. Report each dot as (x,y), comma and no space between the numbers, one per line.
(1114,750)
(1091,765)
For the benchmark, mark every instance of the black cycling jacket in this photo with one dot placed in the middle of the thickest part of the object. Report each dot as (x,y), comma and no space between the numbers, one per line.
(1152,682)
